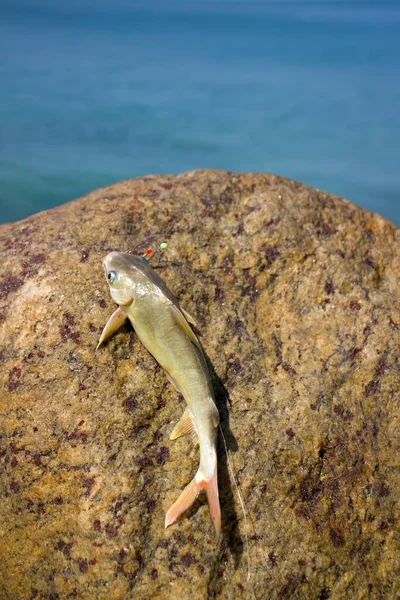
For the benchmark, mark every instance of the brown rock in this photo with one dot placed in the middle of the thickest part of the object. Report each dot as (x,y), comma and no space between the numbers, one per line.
(296,293)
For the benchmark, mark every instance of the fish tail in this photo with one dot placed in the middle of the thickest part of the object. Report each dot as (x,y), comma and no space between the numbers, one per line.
(198,484)
(211,487)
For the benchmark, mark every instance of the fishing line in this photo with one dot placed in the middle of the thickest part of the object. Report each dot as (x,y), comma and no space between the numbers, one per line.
(143,242)
(230,469)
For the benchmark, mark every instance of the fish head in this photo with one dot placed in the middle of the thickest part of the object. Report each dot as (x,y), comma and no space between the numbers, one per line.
(127,277)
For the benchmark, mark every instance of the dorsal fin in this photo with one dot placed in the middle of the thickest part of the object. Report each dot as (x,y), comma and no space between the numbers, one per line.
(182,322)
(189,318)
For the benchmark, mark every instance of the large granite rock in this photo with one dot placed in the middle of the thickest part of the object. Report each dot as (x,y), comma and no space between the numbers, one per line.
(297,297)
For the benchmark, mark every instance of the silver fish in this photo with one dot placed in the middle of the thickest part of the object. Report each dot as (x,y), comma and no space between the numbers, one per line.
(164,329)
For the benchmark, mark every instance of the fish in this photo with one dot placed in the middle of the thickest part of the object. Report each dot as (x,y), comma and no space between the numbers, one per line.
(164,328)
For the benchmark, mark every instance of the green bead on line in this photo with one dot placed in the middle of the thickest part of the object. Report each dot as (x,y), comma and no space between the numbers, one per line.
(163,245)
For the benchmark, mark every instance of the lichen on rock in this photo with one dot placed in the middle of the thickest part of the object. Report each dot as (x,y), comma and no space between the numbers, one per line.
(297,298)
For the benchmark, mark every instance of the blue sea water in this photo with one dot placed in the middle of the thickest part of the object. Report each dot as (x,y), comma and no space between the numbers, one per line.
(93,92)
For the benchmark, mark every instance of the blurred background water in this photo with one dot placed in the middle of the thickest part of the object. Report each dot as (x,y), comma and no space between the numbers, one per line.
(95,91)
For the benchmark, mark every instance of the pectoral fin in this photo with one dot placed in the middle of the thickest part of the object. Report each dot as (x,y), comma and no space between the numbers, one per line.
(182,322)
(184,425)
(117,319)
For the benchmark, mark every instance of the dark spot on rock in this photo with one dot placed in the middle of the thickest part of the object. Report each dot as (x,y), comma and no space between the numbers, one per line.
(161,403)
(219,294)
(66,331)
(303,513)
(81,436)
(143,462)
(30,267)
(354,353)
(129,404)
(286,367)
(271,253)
(290,432)
(236,367)
(368,262)
(85,256)
(392,324)
(151,506)
(154,574)
(9,285)
(383,491)
(122,553)
(64,548)
(374,384)
(324,594)
(329,289)
(81,422)
(188,559)
(117,508)
(128,574)
(225,197)
(354,305)
(273,559)
(88,483)
(97,525)
(15,487)
(14,377)
(83,565)
(82,387)
(37,459)
(151,193)
(102,303)
(240,230)
(239,325)
(140,560)
(92,327)
(14,462)
(337,538)
(302,562)
(338,410)
(59,500)
(111,532)
(69,319)
(35,429)
(162,455)
(348,416)
(37,259)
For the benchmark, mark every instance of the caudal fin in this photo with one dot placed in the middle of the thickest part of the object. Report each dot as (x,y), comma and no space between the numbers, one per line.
(189,495)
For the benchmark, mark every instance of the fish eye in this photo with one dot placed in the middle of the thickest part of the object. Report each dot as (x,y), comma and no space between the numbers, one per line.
(111,275)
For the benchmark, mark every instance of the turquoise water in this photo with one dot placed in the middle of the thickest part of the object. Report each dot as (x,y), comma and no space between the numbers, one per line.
(95,92)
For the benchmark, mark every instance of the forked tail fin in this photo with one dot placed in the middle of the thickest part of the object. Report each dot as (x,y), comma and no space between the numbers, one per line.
(189,495)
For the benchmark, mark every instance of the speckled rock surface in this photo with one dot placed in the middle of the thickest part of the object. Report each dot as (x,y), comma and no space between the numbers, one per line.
(297,297)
